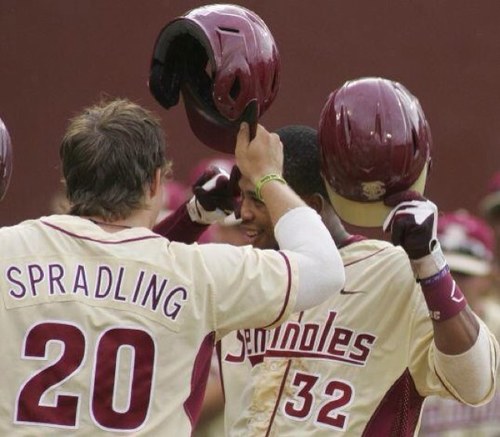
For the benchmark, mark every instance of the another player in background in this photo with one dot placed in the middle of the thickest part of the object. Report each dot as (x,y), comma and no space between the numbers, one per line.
(363,362)
(490,210)
(110,327)
(5,159)
(490,206)
(468,244)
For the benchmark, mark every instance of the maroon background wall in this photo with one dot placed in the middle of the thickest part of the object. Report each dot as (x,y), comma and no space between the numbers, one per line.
(57,56)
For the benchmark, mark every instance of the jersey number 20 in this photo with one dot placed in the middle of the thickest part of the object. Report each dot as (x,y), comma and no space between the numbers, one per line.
(64,412)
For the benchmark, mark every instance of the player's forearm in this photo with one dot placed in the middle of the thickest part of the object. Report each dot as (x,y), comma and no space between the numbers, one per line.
(321,271)
(457,334)
(178,226)
(455,327)
(471,374)
(279,199)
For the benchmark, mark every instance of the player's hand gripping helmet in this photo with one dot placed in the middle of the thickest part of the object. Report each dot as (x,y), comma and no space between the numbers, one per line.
(375,141)
(225,62)
(5,159)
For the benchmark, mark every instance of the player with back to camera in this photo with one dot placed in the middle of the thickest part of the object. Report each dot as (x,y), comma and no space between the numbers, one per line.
(110,326)
(363,362)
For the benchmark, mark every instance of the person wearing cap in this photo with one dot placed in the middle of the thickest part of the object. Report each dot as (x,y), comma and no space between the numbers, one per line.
(468,244)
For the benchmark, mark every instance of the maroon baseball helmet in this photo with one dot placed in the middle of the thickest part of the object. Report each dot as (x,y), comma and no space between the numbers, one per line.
(5,159)
(375,141)
(225,62)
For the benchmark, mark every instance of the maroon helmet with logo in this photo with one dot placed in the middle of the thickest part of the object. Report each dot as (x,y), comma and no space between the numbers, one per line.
(5,159)
(225,62)
(375,141)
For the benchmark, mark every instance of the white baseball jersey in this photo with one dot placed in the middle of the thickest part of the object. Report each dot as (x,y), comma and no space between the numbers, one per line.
(108,332)
(449,418)
(360,364)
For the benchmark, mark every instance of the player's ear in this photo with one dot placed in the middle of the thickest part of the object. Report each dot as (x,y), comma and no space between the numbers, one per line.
(315,201)
(156,183)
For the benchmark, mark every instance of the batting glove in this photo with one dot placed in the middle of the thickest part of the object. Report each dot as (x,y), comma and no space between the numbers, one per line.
(214,199)
(413,226)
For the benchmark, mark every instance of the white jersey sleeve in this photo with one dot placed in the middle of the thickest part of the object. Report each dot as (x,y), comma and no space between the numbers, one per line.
(238,280)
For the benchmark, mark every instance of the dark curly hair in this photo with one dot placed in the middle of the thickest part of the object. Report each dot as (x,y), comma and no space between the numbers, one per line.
(301,166)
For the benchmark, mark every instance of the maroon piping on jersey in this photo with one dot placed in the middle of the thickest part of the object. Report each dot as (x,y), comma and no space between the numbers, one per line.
(199,377)
(81,237)
(366,257)
(218,348)
(398,412)
(287,297)
(278,398)
(351,239)
(282,387)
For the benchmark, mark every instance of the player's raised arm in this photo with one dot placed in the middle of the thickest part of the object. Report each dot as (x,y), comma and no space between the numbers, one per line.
(321,270)
(465,352)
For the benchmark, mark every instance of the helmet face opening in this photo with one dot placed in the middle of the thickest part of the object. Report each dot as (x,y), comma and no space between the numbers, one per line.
(223,59)
(375,141)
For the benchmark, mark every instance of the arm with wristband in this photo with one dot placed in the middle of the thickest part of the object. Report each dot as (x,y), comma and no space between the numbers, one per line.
(464,348)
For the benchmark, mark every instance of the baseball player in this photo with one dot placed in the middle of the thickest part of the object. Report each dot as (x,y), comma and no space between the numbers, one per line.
(5,159)
(468,244)
(361,363)
(107,326)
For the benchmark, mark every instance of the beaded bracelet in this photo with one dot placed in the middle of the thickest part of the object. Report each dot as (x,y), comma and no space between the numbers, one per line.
(264,180)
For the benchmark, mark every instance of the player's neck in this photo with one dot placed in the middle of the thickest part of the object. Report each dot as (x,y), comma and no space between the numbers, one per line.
(140,218)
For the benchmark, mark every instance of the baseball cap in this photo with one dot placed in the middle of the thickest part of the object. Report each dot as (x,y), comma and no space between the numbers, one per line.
(490,204)
(467,241)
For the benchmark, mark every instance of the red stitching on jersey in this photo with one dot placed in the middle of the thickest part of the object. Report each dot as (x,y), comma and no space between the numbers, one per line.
(287,298)
(71,234)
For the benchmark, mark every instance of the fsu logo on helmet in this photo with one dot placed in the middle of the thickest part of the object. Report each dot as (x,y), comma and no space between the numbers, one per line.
(373,190)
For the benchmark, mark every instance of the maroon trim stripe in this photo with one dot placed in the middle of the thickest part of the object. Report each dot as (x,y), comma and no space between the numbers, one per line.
(445,386)
(315,355)
(282,387)
(366,257)
(287,298)
(81,237)
(218,348)
(351,239)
